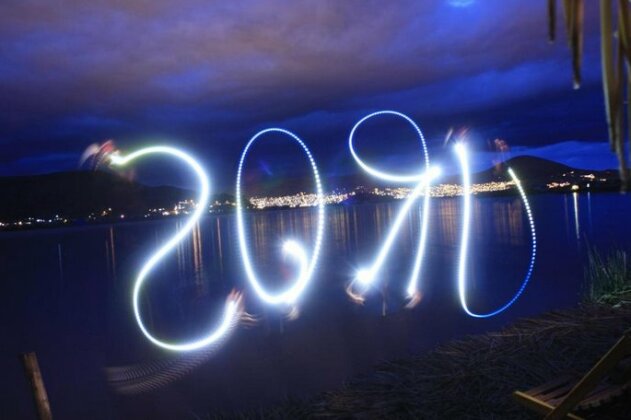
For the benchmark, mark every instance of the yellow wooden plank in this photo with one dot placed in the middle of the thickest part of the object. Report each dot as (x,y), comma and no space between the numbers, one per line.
(537,405)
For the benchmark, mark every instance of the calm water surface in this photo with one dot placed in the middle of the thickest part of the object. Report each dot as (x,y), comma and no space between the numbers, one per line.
(66,294)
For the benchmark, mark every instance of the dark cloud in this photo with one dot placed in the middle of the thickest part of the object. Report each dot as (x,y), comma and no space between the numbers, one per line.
(210,73)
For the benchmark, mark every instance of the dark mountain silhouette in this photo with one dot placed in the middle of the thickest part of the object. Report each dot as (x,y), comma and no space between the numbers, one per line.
(535,172)
(529,168)
(77,194)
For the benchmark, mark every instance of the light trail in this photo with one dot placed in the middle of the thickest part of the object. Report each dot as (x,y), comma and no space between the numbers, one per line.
(232,308)
(461,151)
(388,176)
(365,277)
(291,248)
(233,311)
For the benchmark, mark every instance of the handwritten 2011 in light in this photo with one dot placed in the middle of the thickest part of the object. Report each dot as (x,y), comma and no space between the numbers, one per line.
(306,261)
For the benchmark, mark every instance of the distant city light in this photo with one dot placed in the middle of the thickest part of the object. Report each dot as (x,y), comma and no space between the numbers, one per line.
(309,199)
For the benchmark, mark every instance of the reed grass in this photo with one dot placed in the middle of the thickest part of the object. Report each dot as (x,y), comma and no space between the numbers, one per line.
(608,277)
(474,377)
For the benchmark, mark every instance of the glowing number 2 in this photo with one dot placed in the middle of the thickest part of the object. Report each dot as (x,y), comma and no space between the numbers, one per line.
(291,248)
(231,311)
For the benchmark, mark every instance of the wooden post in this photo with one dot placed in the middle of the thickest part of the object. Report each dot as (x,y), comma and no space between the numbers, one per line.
(31,368)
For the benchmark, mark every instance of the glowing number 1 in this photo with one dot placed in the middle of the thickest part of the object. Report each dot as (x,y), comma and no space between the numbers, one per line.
(232,308)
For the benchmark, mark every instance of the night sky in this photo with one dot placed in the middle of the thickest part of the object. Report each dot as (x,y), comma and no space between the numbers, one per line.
(207,75)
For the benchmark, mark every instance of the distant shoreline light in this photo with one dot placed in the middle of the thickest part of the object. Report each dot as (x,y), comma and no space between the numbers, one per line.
(302,199)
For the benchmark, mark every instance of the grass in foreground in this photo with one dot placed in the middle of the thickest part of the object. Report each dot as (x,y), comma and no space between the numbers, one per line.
(608,277)
(473,378)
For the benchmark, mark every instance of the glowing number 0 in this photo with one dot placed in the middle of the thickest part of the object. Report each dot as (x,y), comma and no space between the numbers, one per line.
(291,248)
(231,311)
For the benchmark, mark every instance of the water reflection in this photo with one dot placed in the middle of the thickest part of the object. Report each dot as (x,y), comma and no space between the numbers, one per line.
(203,266)
(352,232)
(448,222)
(60,263)
(218,241)
(198,264)
(79,330)
(577,227)
(508,222)
(566,216)
(110,253)
(355,232)
(589,210)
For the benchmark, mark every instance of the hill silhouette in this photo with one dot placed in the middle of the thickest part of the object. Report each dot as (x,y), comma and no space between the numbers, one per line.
(536,172)
(533,171)
(77,194)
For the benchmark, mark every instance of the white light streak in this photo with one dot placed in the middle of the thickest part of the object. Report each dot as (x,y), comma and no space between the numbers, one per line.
(388,176)
(292,249)
(365,277)
(306,264)
(231,311)
(461,151)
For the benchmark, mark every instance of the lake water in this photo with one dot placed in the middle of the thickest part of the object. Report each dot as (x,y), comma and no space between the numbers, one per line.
(66,294)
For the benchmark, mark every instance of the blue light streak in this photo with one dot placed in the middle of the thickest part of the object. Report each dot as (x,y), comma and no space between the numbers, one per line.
(461,151)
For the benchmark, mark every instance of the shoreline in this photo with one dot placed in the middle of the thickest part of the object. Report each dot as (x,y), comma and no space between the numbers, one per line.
(116,221)
(473,377)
